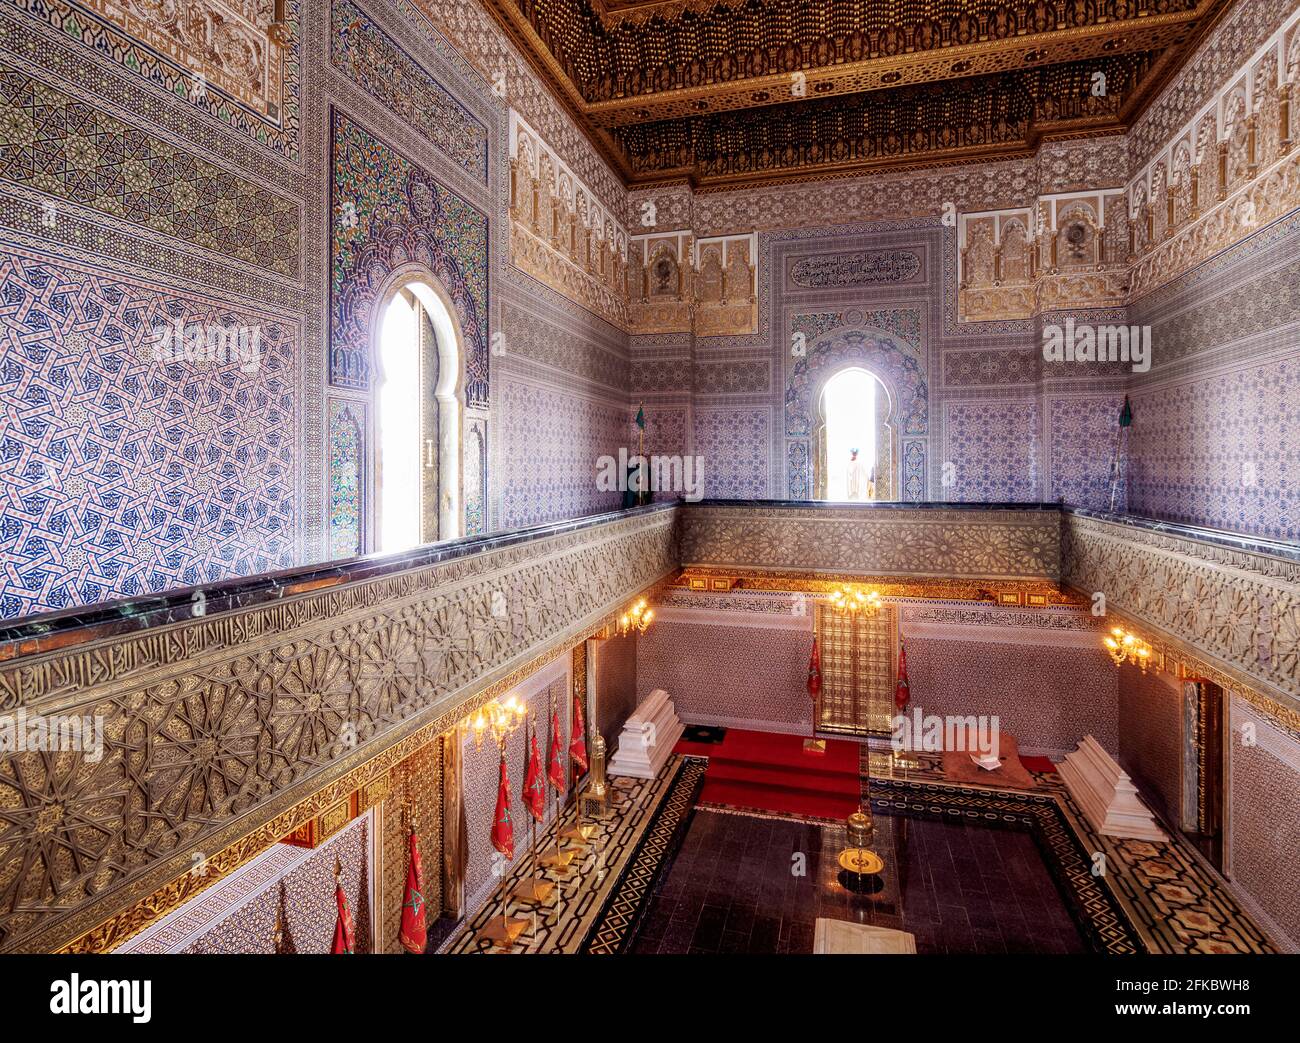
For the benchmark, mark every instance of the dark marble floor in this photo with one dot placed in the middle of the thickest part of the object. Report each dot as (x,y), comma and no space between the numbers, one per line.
(756,885)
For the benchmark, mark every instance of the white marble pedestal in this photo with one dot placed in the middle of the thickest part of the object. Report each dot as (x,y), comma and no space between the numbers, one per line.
(647,739)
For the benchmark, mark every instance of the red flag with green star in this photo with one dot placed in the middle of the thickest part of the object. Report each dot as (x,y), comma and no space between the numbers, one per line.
(578,741)
(345,939)
(414,934)
(902,687)
(534,786)
(555,765)
(503,829)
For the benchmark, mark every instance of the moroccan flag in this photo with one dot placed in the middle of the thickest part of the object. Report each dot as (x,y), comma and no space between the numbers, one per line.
(1126,414)
(503,830)
(640,416)
(414,934)
(555,765)
(815,671)
(345,939)
(902,689)
(534,786)
(578,741)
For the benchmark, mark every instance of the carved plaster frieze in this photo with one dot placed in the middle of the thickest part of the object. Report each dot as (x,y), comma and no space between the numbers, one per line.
(993,543)
(1235,608)
(215,726)
(555,269)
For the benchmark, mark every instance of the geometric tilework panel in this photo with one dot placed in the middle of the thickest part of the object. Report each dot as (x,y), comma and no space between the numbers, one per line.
(59,144)
(713,672)
(1221,450)
(733,447)
(551,441)
(1047,698)
(362,51)
(122,474)
(347,459)
(1083,445)
(250,84)
(304,900)
(481,771)
(1264,823)
(387,212)
(993,447)
(1151,737)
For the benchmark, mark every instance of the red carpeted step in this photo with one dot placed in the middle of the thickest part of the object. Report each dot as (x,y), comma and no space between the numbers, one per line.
(780,777)
(773,772)
(764,798)
(1038,764)
(776,748)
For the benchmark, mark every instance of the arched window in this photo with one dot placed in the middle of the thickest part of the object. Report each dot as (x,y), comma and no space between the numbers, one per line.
(848,406)
(854,409)
(418,421)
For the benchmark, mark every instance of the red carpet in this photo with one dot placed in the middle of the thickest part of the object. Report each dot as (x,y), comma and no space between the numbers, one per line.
(771,772)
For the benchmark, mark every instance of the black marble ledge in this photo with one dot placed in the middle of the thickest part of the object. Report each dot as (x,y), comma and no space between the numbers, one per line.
(1286,549)
(47,632)
(51,631)
(874,505)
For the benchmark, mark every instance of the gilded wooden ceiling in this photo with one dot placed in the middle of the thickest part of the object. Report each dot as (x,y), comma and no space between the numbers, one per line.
(771,90)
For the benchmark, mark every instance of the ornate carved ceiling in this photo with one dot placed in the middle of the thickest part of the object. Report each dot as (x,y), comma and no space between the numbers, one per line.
(761,90)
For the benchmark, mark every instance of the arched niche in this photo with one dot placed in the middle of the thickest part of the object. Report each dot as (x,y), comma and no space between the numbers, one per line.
(899,367)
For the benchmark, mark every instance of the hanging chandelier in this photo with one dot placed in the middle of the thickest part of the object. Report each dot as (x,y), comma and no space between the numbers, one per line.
(853,600)
(1124,647)
(636,618)
(498,720)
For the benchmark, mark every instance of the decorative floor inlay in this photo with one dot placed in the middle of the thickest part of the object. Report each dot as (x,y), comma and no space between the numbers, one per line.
(1126,896)
(1173,902)
(598,899)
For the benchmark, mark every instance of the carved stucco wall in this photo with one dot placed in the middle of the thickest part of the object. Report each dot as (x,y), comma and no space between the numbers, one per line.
(230,720)
(1238,610)
(877,541)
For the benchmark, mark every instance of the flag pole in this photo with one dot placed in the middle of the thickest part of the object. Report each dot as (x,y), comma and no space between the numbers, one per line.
(1125,418)
(534,890)
(554,858)
(503,935)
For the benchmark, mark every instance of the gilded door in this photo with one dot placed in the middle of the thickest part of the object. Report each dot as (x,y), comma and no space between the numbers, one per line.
(857,662)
